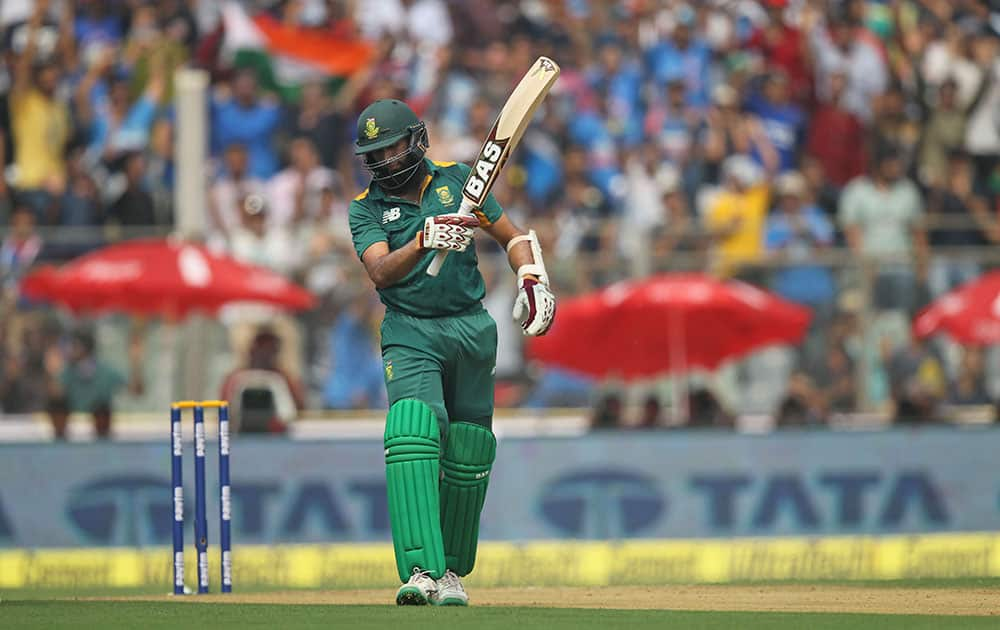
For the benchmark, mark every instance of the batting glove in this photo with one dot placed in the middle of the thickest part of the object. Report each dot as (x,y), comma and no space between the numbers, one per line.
(447,231)
(536,304)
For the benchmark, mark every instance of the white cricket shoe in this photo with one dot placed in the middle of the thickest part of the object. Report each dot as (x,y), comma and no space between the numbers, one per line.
(418,590)
(450,591)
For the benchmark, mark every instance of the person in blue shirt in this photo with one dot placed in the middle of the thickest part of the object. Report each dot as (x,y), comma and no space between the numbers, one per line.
(796,231)
(619,79)
(355,380)
(783,121)
(683,56)
(244,117)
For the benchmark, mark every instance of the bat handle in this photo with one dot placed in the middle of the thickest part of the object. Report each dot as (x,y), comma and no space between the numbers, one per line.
(435,267)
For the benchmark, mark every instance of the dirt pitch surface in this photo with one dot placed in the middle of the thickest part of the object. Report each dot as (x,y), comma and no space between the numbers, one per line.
(777,598)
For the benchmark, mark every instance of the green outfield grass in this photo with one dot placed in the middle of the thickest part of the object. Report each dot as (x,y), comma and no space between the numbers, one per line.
(151,615)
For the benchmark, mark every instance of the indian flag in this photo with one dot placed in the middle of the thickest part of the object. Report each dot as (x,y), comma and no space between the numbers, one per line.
(288,56)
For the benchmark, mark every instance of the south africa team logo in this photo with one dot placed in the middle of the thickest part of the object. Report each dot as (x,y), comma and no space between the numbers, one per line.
(388,370)
(445,196)
(371,131)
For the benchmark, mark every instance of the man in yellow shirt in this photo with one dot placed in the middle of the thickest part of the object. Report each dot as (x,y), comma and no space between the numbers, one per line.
(735,219)
(40,123)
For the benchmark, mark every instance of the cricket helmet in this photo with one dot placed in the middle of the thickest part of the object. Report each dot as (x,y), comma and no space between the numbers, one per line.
(382,124)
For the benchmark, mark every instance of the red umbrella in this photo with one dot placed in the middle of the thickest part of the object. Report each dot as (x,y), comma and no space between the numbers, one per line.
(970,313)
(160,277)
(667,323)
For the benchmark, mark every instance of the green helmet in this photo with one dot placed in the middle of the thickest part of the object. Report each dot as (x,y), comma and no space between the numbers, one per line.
(382,124)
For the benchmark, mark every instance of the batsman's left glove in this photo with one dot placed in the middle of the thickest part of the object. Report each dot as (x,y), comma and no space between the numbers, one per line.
(535,307)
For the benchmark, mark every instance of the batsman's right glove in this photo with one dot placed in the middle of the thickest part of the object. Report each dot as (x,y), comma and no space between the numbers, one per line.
(448,231)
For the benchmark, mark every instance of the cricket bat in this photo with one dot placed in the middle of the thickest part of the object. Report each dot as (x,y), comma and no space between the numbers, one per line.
(506,133)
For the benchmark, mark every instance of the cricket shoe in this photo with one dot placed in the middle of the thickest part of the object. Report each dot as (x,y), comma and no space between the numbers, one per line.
(418,590)
(450,591)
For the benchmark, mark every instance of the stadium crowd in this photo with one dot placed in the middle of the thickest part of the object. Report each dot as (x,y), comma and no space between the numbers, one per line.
(842,153)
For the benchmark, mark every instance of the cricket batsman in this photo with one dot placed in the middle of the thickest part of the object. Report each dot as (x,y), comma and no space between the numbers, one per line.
(438,345)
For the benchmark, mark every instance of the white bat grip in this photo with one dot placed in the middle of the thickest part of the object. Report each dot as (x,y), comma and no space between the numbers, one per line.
(432,269)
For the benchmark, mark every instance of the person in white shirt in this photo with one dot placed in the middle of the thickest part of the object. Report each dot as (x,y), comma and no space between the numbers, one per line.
(296,193)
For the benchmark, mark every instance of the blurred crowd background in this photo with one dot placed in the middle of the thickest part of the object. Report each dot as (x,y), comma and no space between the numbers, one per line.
(843,154)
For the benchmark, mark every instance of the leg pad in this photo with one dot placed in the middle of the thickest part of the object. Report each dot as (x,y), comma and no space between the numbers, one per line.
(412,471)
(466,466)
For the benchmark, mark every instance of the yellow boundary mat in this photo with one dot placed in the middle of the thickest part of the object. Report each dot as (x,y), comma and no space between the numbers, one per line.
(533,563)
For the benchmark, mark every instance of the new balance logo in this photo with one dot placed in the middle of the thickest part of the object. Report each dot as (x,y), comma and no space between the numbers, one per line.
(391,214)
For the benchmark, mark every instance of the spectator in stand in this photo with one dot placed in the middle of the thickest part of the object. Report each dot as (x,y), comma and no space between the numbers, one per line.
(676,243)
(735,220)
(620,79)
(645,210)
(982,134)
(651,413)
(991,188)
(295,193)
(260,242)
(683,55)
(824,194)
(81,204)
(589,226)
(917,378)
(844,42)
(242,115)
(802,405)
(675,125)
(607,414)
(40,120)
(963,221)
(782,120)
(837,135)
(463,144)
(969,386)
(263,354)
(160,168)
(882,216)
(134,206)
(784,47)
(233,185)
(894,126)
(798,232)
(729,131)
(23,381)
(833,375)
(592,130)
(84,383)
(421,28)
(315,118)
(97,24)
(706,412)
(357,376)
(943,130)
(19,249)
(116,124)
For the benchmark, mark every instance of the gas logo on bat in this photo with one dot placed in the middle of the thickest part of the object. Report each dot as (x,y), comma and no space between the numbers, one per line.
(484,170)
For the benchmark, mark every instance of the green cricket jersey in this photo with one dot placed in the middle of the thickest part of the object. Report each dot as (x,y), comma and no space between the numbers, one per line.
(376,216)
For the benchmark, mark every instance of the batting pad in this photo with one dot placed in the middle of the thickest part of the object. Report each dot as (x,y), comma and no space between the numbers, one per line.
(412,451)
(466,465)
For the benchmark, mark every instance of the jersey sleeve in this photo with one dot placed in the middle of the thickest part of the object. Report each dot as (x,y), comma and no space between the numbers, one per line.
(365,228)
(491,210)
